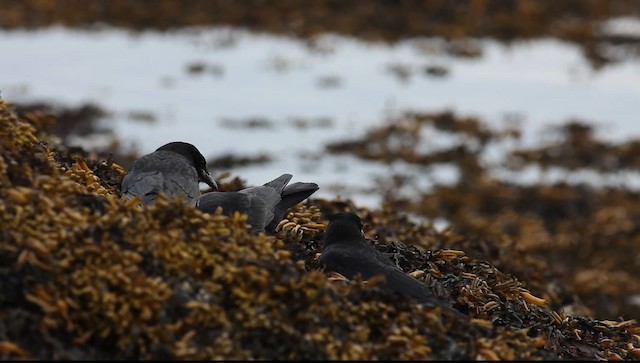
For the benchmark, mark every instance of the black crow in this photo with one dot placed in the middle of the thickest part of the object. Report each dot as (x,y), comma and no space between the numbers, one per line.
(175,169)
(348,252)
(265,205)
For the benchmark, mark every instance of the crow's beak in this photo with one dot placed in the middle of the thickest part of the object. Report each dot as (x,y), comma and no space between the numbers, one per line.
(206,178)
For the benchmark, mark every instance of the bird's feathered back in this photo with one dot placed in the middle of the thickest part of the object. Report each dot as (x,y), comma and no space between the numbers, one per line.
(290,196)
(161,171)
(265,205)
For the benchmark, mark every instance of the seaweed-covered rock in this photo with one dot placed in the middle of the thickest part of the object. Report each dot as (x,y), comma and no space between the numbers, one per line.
(85,274)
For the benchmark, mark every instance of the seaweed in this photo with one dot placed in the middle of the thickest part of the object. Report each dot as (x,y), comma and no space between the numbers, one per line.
(88,275)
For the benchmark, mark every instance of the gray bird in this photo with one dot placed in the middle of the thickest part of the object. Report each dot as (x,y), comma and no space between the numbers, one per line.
(265,205)
(348,252)
(175,169)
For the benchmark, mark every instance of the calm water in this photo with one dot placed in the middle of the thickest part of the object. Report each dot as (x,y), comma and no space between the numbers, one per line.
(340,86)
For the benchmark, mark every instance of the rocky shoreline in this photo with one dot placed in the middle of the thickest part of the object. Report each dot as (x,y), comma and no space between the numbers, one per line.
(87,275)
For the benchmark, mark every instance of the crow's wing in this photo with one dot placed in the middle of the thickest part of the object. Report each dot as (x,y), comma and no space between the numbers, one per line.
(161,171)
(263,202)
(352,258)
(279,183)
(291,195)
(347,261)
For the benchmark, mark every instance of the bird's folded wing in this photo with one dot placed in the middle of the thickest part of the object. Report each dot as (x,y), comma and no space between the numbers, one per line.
(150,184)
(291,195)
(263,204)
(349,262)
(279,183)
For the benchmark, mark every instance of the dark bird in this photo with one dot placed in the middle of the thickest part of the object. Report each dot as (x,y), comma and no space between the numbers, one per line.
(175,169)
(348,252)
(265,205)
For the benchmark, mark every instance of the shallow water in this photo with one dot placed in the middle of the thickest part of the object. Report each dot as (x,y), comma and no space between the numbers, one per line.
(340,85)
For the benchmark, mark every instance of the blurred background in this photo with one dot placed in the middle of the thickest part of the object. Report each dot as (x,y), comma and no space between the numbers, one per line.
(516,119)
